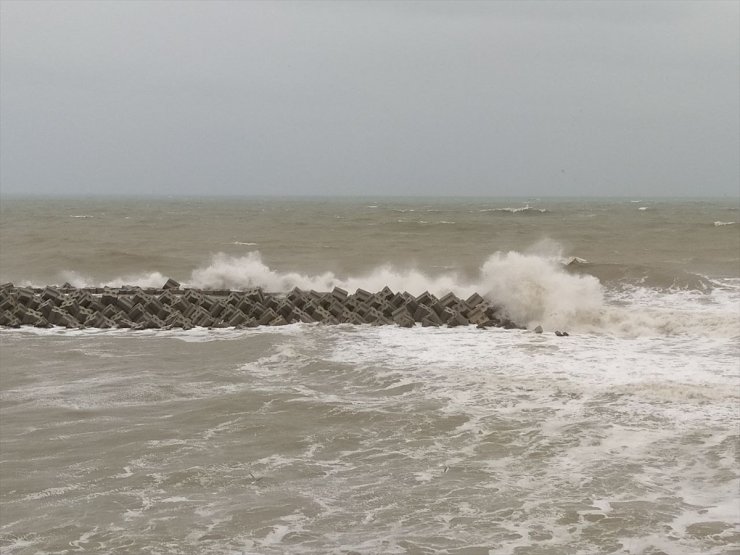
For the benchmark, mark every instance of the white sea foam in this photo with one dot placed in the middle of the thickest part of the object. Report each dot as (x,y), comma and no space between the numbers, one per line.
(144,279)
(531,288)
(517,210)
(721,224)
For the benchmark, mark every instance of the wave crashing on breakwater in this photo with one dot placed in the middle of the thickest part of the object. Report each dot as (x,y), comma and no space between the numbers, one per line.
(534,288)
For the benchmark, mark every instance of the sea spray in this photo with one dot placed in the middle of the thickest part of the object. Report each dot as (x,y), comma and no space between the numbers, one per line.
(530,288)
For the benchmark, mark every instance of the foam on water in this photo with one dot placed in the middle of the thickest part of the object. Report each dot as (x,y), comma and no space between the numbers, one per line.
(532,288)
(395,440)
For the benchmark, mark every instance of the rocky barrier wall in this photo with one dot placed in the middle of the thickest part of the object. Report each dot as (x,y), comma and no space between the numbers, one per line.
(171,307)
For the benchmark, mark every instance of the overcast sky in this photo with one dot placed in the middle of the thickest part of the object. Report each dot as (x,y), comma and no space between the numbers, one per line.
(378,98)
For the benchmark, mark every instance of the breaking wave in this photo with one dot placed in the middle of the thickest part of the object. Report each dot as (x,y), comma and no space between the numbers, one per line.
(531,288)
(521,209)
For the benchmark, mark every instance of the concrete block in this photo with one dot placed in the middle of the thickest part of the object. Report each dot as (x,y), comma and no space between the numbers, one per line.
(351,318)
(199,316)
(136,314)
(30,318)
(339,294)
(8,303)
(315,296)
(108,298)
(351,304)
(83,298)
(9,320)
(130,289)
(177,320)
(375,301)
(295,293)
(168,297)
(207,302)
(45,308)
(193,297)
(478,315)
(324,316)
(97,320)
(245,305)
(257,310)
(83,314)
(52,294)
(95,305)
(449,300)
(217,308)
(267,316)
(228,313)
(234,298)
(182,305)
(401,314)
(423,311)
(297,297)
(474,300)
(397,300)
(110,311)
(237,318)
(363,295)
(140,298)
(124,303)
(309,307)
(171,284)
(24,295)
(373,316)
(303,317)
(382,321)
(285,309)
(121,321)
(404,321)
(456,319)
(255,295)
(71,307)
(386,293)
(154,323)
(428,322)
(336,309)
(20,310)
(279,321)
(153,306)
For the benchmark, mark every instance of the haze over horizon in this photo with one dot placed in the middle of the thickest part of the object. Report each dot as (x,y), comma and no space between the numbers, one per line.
(637,99)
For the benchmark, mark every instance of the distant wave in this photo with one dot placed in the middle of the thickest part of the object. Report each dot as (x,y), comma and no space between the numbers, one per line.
(243,243)
(520,209)
(720,224)
(425,222)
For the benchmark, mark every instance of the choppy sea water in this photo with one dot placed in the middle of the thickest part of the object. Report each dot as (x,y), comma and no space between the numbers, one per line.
(622,438)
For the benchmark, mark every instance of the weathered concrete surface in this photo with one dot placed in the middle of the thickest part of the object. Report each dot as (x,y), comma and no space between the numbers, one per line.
(172,307)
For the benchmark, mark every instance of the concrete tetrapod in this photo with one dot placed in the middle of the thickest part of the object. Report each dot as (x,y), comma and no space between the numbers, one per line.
(175,307)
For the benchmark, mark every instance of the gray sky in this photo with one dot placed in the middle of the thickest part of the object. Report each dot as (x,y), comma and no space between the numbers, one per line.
(378,98)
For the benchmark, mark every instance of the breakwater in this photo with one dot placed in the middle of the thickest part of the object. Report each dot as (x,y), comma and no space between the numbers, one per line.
(171,307)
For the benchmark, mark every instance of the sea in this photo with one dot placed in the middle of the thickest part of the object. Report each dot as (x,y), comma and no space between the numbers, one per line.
(621,437)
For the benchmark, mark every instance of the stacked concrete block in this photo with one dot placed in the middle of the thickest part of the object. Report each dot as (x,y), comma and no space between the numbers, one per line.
(172,307)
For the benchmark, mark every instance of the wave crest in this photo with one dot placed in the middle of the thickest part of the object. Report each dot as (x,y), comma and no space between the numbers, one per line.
(531,288)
